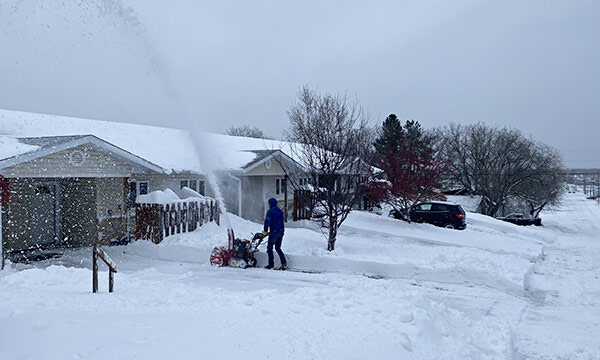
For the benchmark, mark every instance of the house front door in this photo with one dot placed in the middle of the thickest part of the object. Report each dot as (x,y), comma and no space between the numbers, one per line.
(44,220)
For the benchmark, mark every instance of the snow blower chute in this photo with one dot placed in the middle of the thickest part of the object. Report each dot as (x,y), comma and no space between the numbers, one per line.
(238,253)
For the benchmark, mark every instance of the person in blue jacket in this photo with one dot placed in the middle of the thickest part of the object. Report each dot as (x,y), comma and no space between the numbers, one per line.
(274,221)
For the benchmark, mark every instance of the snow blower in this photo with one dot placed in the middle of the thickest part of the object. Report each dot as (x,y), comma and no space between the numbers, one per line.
(238,253)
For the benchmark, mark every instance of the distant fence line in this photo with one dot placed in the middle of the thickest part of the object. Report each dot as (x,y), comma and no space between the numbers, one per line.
(305,201)
(156,221)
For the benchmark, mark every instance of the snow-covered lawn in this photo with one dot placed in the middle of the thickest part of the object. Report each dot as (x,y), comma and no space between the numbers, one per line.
(390,290)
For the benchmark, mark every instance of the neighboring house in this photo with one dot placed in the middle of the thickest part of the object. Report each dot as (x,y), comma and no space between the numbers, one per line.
(247,188)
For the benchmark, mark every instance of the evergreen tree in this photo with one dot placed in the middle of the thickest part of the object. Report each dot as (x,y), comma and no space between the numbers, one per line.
(407,158)
(390,134)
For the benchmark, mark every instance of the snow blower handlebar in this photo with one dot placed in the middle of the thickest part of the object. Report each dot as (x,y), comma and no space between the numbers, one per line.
(260,236)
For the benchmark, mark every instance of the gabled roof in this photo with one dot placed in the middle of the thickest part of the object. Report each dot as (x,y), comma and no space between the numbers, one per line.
(45,146)
(262,156)
(170,149)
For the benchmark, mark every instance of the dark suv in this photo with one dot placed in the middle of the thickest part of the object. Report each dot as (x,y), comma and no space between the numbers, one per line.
(443,214)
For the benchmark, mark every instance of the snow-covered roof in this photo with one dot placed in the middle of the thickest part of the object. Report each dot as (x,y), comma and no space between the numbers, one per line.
(174,150)
(171,149)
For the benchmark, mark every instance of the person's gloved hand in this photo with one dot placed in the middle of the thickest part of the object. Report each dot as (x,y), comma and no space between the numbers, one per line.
(265,233)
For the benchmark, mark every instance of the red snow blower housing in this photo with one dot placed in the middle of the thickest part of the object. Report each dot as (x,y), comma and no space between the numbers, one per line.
(238,253)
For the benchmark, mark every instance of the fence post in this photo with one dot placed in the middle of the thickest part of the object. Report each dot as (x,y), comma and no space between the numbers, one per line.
(173,219)
(94,270)
(111,280)
(161,222)
(184,211)
(201,215)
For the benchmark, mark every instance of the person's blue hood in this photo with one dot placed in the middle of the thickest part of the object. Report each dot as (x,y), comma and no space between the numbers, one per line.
(272,202)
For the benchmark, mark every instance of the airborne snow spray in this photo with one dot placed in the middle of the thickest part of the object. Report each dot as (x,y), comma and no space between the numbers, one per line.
(209,158)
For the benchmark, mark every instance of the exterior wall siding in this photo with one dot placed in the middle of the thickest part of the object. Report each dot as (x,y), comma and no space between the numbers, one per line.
(111,209)
(261,170)
(252,200)
(270,191)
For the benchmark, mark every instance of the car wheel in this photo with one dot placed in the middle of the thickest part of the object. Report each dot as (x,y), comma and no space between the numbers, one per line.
(450,226)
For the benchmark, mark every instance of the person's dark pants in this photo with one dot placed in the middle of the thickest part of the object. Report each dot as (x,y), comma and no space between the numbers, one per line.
(275,239)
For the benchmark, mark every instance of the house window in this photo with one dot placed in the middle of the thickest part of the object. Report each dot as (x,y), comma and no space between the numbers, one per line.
(184,183)
(136,188)
(280,186)
(303,181)
(143,187)
(201,189)
(194,184)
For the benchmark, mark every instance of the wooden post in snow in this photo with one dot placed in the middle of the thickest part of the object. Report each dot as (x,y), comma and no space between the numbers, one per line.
(112,269)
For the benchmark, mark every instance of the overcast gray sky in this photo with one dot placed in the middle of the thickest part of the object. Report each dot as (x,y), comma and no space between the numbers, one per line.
(533,65)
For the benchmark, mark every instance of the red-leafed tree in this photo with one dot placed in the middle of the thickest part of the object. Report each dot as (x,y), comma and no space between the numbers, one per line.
(408,159)
(4,190)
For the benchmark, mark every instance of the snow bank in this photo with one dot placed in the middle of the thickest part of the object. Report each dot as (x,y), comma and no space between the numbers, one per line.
(390,290)
(393,249)
(158,310)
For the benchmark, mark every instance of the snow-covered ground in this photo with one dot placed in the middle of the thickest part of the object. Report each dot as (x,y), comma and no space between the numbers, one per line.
(390,290)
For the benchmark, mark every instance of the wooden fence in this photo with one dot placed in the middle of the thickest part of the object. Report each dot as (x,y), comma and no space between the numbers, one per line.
(304,202)
(156,221)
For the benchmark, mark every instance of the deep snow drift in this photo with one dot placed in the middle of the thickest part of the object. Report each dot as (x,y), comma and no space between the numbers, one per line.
(391,289)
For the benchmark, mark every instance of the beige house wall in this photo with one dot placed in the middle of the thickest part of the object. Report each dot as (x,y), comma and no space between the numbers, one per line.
(262,170)
(252,200)
(111,209)
(270,191)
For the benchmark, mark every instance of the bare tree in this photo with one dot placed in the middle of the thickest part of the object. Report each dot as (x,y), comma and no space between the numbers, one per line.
(333,137)
(246,131)
(495,163)
(546,184)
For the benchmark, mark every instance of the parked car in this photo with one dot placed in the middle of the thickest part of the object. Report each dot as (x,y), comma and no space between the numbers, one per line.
(443,214)
(401,214)
(519,219)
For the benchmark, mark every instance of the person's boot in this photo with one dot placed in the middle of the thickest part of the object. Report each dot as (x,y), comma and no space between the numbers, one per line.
(269,266)
(282,267)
